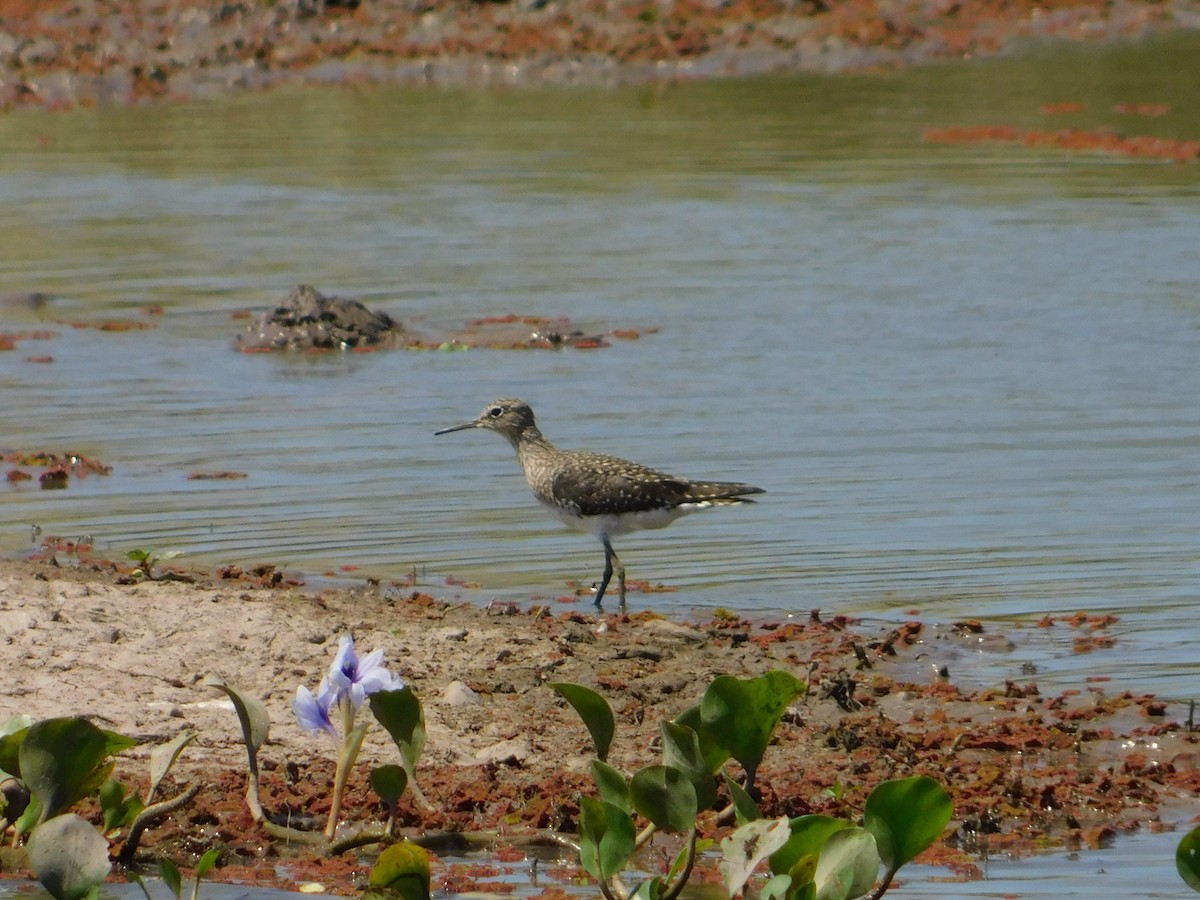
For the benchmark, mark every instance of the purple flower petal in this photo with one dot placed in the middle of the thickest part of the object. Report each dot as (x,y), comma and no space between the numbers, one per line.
(313,712)
(358,678)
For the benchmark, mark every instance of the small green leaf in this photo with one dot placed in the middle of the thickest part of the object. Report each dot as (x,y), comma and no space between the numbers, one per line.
(597,715)
(134,878)
(665,796)
(251,713)
(401,714)
(162,758)
(207,861)
(650,889)
(119,808)
(741,715)
(775,888)
(685,855)
(389,783)
(681,749)
(714,754)
(69,856)
(139,555)
(606,838)
(611,784)
(802,873)
(743,850)
(848,866)
(906,816)
(744,807)
(169,872)
(12,732)
(29,818)
(1187,859)
(402,870)
(808,836)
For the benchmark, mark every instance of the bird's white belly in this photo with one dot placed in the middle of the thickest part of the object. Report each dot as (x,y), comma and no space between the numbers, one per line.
(614,525)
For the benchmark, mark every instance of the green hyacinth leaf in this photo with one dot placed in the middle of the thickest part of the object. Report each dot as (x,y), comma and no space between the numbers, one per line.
(119,807)
(597,715)
(650,889)
(401,714)
(207,861)
(402,870)
(848,866)
(1187,859)
(252,715)
(606,838)
(681,749)
(163,757)
(744,808)
(715,755)
(169,872)
(69,856)
(906,816)
(808,835)
(665,796)
(741,715)
(63,760)
(776,888)
(12,732)
(611,784)
(389,782)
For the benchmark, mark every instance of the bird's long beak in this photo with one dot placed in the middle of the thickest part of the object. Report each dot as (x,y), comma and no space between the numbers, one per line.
(463,427)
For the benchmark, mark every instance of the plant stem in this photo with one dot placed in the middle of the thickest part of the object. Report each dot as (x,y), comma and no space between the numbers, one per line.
(673,891)
(645,835)
(351,744)
(150,816)
(883,885)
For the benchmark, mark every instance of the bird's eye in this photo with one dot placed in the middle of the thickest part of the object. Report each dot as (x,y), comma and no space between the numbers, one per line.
(496,412)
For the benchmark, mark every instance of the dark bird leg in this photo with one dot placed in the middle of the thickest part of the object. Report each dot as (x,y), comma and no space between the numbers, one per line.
(610,557)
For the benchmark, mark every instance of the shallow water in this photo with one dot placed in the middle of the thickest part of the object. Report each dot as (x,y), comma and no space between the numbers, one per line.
(1141,865)
(966,375)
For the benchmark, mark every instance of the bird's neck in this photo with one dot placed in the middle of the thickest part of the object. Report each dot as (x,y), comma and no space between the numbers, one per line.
(534,452)
(530,441)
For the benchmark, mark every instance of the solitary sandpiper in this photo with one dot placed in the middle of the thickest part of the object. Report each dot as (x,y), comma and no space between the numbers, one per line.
(604,495)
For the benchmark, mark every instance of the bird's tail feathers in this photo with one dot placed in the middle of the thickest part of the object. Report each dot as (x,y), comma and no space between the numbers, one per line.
(722,492)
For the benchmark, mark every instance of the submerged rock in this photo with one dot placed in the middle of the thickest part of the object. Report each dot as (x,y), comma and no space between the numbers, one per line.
(308,320)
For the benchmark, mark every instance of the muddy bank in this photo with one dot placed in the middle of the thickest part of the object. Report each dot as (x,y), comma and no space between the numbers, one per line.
(1026,770)
(63,53)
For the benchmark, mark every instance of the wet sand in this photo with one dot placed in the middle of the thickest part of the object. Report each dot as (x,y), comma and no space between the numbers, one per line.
(1026,771)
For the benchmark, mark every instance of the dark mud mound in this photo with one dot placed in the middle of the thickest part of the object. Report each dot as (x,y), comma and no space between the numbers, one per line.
(308,320)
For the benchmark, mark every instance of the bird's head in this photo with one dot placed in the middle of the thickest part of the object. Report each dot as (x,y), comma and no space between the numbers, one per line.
(510,418)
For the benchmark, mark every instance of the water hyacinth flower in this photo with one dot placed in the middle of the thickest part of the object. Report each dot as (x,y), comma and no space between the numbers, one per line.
(358,678)
(313,713)
(349,682)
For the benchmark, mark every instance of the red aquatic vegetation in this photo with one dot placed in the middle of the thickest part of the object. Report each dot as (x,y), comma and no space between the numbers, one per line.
(1142,109)
(1061,109)
(57,469)
(117,325)
(1070,139)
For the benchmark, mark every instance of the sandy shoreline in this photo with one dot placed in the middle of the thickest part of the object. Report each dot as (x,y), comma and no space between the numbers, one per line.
(1026,771)
(66,53)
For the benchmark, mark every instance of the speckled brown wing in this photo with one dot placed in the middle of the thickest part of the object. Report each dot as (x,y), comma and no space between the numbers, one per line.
(598,485)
